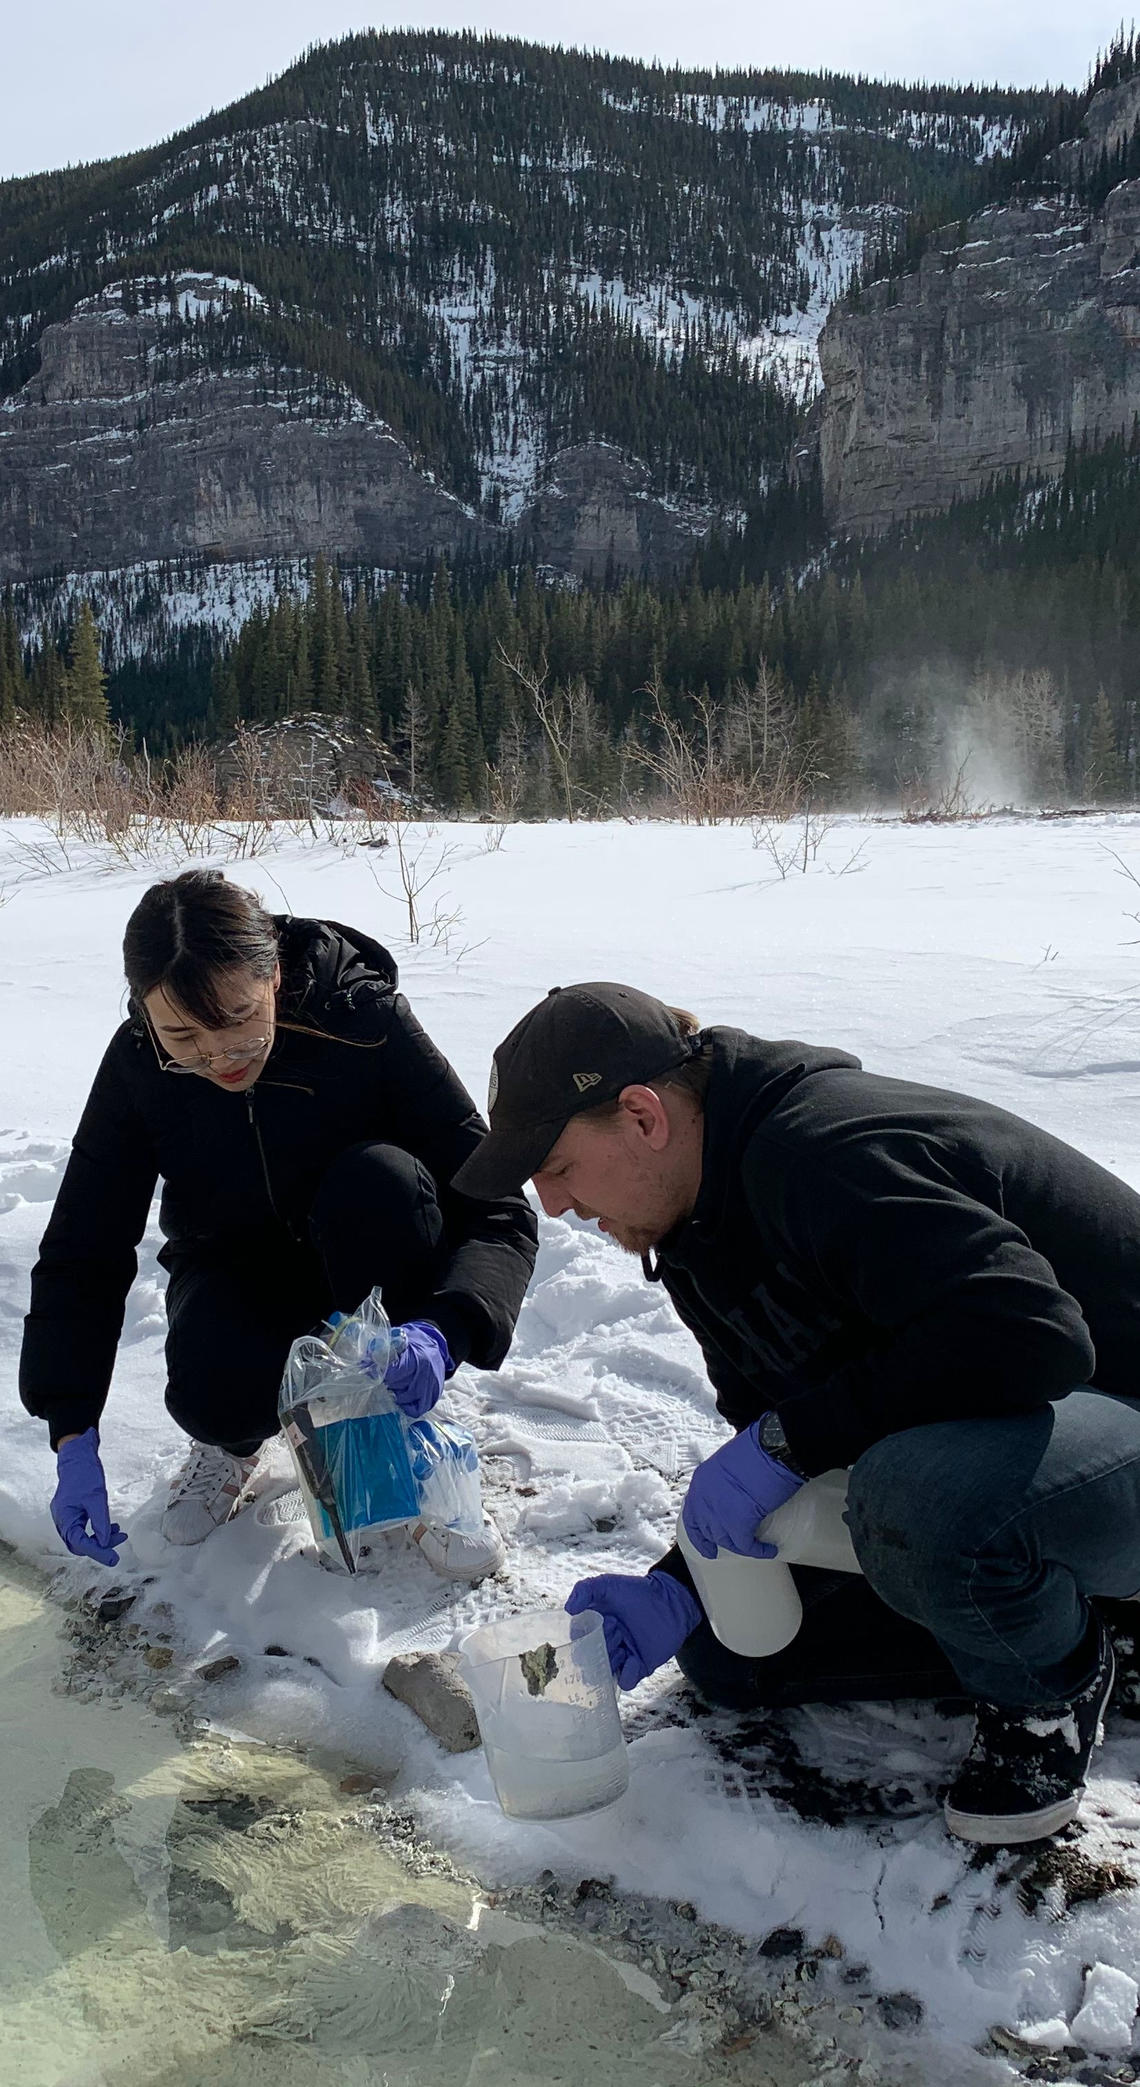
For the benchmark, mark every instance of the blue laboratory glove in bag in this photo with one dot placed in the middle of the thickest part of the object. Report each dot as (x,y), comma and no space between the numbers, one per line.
(419,1362)
(731,1492)
(79,1504)
(646,1619)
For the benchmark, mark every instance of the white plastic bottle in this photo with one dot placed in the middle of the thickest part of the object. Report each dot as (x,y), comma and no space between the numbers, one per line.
(752,1603)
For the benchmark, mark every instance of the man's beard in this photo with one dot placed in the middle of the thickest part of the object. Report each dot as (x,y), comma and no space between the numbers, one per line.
(634,1239)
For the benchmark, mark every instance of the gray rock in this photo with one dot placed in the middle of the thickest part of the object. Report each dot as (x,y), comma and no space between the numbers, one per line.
(214,1669)
(783,1942)
(114,1605)
(428,1682)
(899,2010)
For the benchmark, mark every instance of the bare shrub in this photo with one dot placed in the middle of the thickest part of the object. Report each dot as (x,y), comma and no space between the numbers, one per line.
(795,845)
(87,783)
(419,861)
(571,729)
(507,778)
(928,804)
(190,802)
(24,789)
(80,779)
(737,761)
(1021,714)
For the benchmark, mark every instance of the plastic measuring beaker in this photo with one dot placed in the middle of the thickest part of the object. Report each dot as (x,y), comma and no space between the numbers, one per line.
(547,1709)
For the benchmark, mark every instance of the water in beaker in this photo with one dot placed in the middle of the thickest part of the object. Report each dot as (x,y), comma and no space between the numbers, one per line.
(547,1709)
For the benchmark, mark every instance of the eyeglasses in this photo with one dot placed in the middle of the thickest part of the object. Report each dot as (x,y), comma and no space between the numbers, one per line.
(238,1054)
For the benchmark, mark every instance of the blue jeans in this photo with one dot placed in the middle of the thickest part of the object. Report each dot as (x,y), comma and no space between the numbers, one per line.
(994,1533)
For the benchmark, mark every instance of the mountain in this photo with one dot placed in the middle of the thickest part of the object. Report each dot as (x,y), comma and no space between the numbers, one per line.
(431,294)
(1014,340)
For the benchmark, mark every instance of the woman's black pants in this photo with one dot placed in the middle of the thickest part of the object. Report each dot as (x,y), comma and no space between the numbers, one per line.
(232,1315)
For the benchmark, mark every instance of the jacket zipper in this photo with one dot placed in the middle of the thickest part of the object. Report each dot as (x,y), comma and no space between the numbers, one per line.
(256,1129)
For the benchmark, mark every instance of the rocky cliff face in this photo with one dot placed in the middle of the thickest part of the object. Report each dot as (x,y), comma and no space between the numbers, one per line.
(1109,121)
(113,455)
(594,509)
(993,356)
(102,465)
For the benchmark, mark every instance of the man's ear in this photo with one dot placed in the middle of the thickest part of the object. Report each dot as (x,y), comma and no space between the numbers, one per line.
(646,1116)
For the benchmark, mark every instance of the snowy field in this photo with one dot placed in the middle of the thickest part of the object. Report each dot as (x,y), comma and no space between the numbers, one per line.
(999,958)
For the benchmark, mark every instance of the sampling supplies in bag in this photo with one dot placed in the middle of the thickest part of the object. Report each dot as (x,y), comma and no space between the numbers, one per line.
(361,1465)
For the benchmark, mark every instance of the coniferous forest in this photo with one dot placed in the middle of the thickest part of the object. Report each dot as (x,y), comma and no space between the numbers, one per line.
(1018,611)
(1027,600)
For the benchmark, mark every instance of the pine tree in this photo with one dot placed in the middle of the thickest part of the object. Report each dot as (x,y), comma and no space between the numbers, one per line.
(13,686)
(299,682)
(322,649)
(334,694)
(47,682)
(1104,771)
(360,701)
(86,699)
(225,701)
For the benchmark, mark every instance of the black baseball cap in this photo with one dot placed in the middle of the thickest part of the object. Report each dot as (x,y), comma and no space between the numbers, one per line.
(577,1049)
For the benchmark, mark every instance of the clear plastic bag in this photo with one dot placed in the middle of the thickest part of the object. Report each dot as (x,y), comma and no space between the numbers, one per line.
(362,1467)
(445,1467)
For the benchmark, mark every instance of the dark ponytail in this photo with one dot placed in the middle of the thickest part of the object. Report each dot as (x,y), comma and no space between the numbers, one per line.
(186,933)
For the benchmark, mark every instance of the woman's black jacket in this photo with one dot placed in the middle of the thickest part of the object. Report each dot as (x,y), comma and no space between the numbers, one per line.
(240,1172)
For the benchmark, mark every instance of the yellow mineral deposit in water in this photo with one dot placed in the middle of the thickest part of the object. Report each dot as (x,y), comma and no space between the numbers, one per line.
(217,1916)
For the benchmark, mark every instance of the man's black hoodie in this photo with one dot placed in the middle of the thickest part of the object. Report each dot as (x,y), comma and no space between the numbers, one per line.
(349,1064)
(866,1254)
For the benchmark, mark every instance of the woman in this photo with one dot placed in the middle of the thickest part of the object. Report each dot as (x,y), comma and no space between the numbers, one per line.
(305,1131)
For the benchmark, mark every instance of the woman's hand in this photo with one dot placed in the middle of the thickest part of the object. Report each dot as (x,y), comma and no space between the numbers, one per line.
(421,1361)
(79,1506)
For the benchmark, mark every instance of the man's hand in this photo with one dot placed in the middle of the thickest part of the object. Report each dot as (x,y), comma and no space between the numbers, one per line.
(79,1505)
(646,1619)
(421,1360)
(731,1492)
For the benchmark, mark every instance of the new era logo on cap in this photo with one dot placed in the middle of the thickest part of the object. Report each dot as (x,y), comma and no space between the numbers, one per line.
(585,1080)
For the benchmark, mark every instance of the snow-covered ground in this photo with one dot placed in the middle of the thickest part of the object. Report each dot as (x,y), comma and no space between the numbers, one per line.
(999,957)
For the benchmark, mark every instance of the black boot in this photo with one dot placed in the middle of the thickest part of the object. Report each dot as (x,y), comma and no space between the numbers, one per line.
(1023,1776)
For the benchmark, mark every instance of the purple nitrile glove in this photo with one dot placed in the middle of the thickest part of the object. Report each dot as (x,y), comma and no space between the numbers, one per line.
(731,1492)
(646,1619)
(420,1361)
(80,1499)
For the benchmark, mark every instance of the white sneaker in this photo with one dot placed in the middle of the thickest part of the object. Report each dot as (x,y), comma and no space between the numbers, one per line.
(205,1493)
(456,1556)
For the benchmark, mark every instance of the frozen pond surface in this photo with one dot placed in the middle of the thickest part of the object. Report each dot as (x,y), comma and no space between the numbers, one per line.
(175,1915)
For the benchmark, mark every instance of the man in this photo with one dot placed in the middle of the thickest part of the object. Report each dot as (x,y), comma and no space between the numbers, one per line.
(880,1275)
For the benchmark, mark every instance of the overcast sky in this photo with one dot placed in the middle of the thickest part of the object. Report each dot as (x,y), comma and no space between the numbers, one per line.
(83,81)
